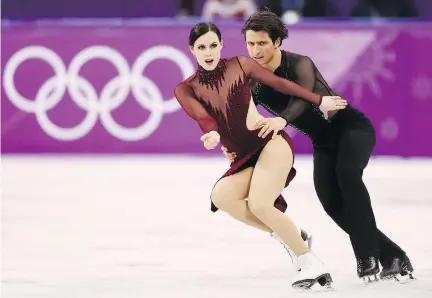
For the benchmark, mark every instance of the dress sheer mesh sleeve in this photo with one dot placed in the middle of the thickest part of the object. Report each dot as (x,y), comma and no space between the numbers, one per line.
(266,77)
(186,97)
(305,73)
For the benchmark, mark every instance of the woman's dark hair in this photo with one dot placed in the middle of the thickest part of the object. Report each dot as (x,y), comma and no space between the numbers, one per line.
(202,28)
(268,22)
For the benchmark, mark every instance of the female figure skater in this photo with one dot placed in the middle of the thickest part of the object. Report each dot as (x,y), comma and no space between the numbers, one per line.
(218,97)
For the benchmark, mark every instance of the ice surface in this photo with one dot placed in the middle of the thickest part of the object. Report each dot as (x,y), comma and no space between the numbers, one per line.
(140,227)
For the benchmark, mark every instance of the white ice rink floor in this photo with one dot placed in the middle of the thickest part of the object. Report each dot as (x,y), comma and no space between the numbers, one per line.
(140,227)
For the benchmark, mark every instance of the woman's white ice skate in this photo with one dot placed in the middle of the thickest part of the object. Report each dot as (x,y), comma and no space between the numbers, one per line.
(312,272)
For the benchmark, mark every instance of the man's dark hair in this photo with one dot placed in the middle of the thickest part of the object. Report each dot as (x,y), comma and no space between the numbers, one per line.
(266,21)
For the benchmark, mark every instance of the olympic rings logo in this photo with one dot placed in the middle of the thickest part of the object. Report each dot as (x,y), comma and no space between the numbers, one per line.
(84,95)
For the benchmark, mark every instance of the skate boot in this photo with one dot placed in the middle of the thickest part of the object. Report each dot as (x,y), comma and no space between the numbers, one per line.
(305,236)
(311,272)
(399,269)
(367,269)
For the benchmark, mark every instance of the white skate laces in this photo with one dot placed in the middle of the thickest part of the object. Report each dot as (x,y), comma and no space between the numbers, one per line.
(290,252)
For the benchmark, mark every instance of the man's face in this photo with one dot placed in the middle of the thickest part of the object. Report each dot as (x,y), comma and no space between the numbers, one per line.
(260,46)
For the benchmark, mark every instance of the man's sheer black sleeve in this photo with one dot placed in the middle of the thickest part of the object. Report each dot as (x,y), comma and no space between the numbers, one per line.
(305,72)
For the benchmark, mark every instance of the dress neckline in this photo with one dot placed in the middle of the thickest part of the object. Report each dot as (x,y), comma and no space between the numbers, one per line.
(212,78)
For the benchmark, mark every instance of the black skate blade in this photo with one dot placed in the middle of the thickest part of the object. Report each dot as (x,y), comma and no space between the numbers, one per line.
(322,282)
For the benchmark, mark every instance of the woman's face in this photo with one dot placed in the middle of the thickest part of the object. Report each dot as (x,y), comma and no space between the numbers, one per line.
(207,50)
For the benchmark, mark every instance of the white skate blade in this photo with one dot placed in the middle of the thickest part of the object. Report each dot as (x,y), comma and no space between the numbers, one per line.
(398,278)
(370,279)
(309,241)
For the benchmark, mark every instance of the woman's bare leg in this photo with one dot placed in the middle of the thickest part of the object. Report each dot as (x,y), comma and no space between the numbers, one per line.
(268,181)
(229,196)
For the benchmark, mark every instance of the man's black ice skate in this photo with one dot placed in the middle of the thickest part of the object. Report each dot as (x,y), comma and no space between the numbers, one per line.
(399,269)
(368,269)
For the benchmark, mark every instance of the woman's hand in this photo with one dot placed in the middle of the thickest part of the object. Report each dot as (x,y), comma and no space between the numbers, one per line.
(211,140)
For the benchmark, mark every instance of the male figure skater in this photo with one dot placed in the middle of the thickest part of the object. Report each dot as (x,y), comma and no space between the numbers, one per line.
(342,140)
